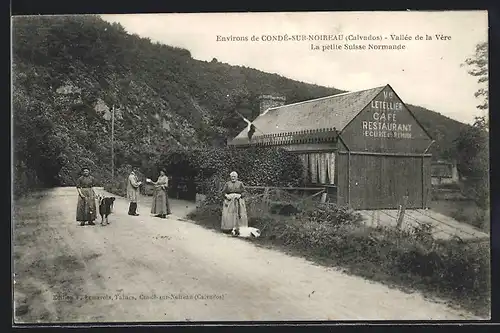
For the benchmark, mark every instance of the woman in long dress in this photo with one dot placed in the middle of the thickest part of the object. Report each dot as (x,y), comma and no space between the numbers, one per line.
(86,207)
(234,211)
(161,206)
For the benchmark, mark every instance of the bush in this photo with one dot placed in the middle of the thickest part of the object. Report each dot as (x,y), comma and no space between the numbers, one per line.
(25,179)
(204,170)
(330,214)
(209,167)
(208,215)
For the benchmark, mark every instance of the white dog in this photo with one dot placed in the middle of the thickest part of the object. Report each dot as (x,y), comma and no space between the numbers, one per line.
(246,232)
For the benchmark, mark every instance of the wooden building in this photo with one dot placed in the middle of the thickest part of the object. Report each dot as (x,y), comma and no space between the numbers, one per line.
(366,147)
(444,173)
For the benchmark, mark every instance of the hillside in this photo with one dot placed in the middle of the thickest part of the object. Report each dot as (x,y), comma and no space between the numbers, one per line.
(68,72)
(442,129)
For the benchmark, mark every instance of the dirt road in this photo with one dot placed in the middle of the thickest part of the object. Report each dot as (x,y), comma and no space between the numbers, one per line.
(149,269)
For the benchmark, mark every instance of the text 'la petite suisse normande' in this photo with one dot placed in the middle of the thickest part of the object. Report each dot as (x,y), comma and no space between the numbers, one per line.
(338,38)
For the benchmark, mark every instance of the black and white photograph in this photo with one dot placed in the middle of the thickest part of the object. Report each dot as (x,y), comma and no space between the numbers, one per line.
(250,167)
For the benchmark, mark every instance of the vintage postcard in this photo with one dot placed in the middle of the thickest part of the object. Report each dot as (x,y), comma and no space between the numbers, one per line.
(250,167)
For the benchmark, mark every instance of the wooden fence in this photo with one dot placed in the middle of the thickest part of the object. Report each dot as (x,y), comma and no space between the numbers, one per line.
(282,199)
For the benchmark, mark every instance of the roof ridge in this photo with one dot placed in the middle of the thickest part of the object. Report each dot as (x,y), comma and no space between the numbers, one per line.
(320,98)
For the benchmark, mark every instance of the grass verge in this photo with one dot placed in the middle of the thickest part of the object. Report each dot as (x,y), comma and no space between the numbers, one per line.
(454,271)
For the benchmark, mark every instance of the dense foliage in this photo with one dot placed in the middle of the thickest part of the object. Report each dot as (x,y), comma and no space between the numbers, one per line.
(443,130)
(69,72)
(209,167)
(472,145)
(329,215)
(473,162)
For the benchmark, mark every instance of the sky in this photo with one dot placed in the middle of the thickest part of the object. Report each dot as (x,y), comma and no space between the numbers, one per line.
(426,73)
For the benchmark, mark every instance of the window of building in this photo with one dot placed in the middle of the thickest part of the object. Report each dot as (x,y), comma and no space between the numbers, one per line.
(319,168)
(442,170)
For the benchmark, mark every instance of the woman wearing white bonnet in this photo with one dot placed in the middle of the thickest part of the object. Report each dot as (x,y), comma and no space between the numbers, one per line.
(234,212)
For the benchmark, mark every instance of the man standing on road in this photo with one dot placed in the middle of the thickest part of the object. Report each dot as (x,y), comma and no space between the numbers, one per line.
(133,192)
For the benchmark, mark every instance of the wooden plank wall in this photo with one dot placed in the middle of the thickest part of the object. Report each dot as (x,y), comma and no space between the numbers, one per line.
(380,182)
(341,168)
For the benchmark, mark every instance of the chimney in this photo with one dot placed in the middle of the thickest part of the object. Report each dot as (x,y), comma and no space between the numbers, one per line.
(269,101)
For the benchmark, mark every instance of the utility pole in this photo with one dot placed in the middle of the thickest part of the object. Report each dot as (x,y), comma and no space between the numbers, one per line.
(113,143)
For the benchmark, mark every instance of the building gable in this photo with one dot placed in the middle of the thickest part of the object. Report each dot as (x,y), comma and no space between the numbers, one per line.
(386,125)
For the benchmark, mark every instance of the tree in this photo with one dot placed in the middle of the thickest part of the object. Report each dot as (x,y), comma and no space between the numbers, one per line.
(473,161)
(473,143)
(478,66)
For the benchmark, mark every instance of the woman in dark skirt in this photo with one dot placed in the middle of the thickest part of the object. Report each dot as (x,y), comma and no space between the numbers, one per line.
(86,207)
(161,207)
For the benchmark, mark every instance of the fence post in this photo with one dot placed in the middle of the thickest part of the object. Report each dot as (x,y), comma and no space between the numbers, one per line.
(401,213)
(264,198)
(323,197)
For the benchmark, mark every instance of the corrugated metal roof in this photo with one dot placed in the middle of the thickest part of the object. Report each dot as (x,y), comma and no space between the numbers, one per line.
(320,113)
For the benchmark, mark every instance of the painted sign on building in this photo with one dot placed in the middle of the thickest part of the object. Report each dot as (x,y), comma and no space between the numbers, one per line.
(386,118)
